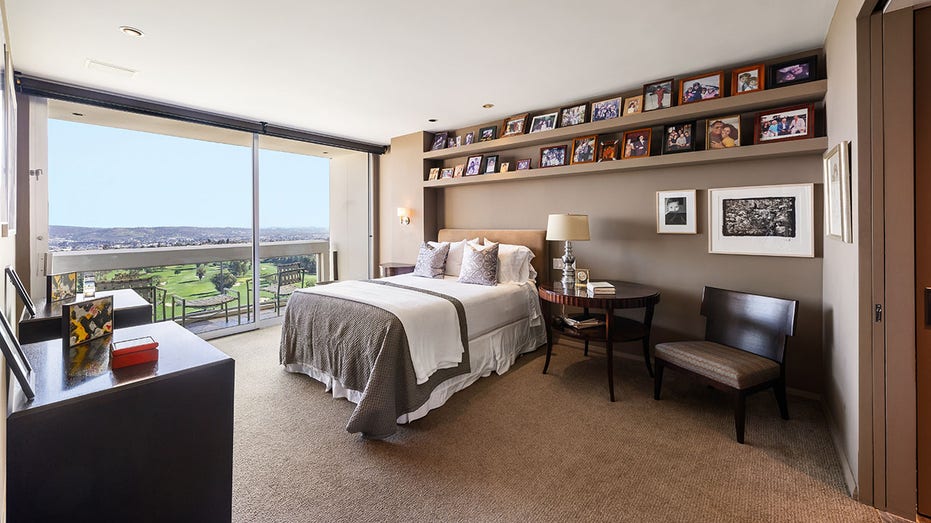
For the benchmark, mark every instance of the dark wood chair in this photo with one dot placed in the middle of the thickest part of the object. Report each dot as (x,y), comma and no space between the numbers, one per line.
(743,351)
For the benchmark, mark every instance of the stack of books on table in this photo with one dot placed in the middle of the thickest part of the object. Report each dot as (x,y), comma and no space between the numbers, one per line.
(133,352)
(597,288)
(583,321)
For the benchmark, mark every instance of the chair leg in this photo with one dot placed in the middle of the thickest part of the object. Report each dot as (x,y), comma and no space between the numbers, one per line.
(658,379)
(740,412)
(780,389)
(586,347)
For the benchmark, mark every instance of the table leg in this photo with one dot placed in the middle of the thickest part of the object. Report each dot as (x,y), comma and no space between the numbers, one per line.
(647,322)
(609,349)
(547,320)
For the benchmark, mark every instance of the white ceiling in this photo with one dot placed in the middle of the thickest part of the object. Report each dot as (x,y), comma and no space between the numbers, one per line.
(373,69)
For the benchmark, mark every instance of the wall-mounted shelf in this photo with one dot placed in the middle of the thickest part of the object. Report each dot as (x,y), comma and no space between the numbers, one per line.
(768,99)
(747,152)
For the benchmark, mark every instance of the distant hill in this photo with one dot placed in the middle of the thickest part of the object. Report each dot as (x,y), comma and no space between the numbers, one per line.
(67,238)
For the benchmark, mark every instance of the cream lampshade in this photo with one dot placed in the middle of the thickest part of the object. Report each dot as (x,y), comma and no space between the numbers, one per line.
(405,215)
(567,228)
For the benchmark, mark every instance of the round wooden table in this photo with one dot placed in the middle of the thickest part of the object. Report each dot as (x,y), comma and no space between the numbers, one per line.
(626,295)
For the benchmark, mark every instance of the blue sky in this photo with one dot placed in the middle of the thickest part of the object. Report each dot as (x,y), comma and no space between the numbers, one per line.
(108,177)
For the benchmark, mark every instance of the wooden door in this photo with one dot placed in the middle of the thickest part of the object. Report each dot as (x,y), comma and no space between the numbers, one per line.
(923,252)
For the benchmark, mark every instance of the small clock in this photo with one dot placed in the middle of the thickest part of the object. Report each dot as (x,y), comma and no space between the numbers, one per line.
(581,277)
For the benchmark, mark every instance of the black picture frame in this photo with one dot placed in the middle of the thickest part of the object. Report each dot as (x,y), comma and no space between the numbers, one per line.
(16,359)
(490,161)
(575,115)
(679,129)
(439,141)
(50,287)
(21,291)
(776,75)
(103,325)
(489,133)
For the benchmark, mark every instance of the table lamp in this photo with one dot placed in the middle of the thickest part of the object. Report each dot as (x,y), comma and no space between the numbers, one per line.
(567,227)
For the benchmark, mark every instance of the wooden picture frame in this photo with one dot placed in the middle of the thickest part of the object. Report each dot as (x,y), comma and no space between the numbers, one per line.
(473,165)
(791,72)
(679,138)
(698,88)
(636,143)
(796,122)
(607,150)
(60,287)
(446,172)
(514,125)
(770,220)
(676,212)
(504,167)
(659,95)
(469,137)
(16,359)
(439,141)
(749,79)
(21,291)
(458,170)
(606,109)
(490,164)
(553,155)
(838,222)
(633,104)
(489,133)
(575,115)
(524,164)
(434,173)
(584,149)
(543,122)
(86,320)
(723,132)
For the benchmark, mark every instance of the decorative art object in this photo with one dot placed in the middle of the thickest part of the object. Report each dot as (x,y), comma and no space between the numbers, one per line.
(774,220)
(838,221)
(60,287)
(87,320)
(676,212)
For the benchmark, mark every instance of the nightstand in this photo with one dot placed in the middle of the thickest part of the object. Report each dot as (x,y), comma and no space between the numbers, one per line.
(393,269)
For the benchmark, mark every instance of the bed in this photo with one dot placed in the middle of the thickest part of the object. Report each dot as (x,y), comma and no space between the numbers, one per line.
(351,336)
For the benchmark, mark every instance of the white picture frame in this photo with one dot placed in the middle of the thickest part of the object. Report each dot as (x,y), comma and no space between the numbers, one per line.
(770,220)
(838,221)
(676,212)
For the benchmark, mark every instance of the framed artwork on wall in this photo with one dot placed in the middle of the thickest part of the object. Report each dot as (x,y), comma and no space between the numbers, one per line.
(676,212)
(439,141)
(773,220)
(838,221)
(748,79)
(702,87)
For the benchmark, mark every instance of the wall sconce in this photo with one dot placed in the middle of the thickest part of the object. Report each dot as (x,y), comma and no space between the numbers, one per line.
(404,214)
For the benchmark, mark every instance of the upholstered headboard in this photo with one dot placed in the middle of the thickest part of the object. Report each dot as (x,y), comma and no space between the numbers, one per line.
(533,239)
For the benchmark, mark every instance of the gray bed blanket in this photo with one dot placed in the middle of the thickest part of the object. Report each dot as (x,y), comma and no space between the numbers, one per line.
(365,348)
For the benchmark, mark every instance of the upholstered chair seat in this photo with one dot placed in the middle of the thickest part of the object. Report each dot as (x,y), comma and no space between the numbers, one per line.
(734,367)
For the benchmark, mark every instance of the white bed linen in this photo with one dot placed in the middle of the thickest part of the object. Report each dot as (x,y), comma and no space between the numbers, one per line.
(431,323)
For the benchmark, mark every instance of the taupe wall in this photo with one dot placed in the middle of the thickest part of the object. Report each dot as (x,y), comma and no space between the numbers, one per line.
(841,267)
(400,182)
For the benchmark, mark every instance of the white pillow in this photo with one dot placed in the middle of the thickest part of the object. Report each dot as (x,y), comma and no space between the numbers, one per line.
(454,258)
(514,263)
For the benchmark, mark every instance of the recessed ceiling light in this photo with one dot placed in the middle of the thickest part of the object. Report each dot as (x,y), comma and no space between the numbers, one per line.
(78,114)
(131,31)
(326,152)
(431,120)
(488,106)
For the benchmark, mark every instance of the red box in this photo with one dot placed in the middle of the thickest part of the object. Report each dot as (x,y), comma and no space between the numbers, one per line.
(118,361)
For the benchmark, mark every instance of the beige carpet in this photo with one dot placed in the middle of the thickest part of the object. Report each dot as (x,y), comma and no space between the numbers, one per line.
(530,447)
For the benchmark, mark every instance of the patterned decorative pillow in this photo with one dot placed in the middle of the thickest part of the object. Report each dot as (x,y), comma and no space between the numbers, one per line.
(431,261)
(479,264)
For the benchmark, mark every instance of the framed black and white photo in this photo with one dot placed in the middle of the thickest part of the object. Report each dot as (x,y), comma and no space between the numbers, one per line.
(773,220)
(21,291)
(439,141)
(606,109)
(489,164)
(16,359)
(678,138)
(675,212)
(473,165)
(572,115)
(837,210)
(543,122)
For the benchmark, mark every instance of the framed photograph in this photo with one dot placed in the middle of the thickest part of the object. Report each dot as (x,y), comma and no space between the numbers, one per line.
(606,109)
(838,222)
(775,220)
(748,79)
(16,359)
(457,172)
(490,164)
(87,320)
(60,287)
(636,144)
(633,105)
(473,165)
(514,125)
(434,173)
(584,149)
(450,142)
(702,87)
(658,95)
(722,133)
(488,133)
(574,115)
(676,212)
(446,172)
(439,141)
(21,291)
(523,165)
(788,123)
(553,155)
(678,138)
(607,150)
(470,137)
(582,276)
(504,167)
(543,122)
(792,72)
